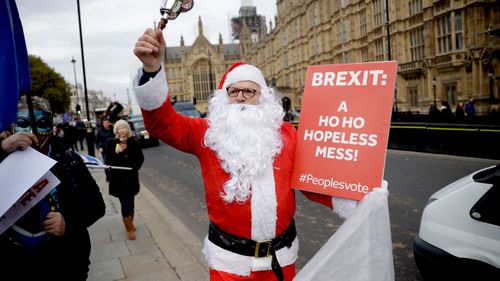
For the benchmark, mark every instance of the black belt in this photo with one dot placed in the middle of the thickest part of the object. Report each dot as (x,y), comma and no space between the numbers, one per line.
(251,248)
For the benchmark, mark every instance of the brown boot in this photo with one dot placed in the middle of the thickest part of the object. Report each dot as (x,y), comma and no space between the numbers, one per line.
(129,226)
(133,226)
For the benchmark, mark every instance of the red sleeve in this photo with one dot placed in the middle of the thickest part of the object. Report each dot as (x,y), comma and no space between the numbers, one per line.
(316,197)
(179,131)
(320,198)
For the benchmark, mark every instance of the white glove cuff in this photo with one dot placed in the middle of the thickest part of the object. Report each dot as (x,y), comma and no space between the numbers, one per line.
(343,207)
(153,93)
(382,189)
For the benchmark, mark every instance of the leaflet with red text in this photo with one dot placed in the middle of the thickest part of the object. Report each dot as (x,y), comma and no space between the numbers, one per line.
(19,171)
(344,128)
(28,200)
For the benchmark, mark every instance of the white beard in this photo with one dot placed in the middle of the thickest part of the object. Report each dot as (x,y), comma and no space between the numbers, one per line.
(246,138)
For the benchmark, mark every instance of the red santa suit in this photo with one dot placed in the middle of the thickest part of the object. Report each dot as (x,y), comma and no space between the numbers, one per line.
(264,216)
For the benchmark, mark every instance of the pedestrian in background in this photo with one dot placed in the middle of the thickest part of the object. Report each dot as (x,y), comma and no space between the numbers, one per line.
(469,108)
(446,114)
(124,150)
(80,132)
(51,241)
(103,134)
(286,103)
(434,113)
(459,112)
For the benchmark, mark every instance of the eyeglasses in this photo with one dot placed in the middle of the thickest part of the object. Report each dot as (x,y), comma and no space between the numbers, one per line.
(247,93)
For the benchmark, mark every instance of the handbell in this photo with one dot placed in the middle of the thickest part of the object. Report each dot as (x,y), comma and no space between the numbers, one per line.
(170,9)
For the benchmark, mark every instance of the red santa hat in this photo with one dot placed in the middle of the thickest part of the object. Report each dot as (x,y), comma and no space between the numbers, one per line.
(241,71)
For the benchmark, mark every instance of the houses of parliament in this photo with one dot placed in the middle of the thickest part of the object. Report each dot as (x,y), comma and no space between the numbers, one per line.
(447,50)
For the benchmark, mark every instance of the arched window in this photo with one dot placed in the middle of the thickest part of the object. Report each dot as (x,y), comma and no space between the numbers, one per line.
(203,80)
(458,30)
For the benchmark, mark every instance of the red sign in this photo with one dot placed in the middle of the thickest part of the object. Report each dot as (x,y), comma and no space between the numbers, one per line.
(344,128)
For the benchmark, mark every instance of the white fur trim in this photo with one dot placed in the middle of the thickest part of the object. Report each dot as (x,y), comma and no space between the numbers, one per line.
(264,205)
(153,93)
(223,260)
(264,210)
(245,72)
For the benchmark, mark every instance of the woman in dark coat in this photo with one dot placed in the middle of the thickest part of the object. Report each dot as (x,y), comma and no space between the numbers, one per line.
(124,150)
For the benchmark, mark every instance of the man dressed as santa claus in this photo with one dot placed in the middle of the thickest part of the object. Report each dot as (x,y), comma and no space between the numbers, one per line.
(246,156)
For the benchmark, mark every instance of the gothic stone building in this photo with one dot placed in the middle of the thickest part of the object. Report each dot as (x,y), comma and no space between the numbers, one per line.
(447,50)
(193,72)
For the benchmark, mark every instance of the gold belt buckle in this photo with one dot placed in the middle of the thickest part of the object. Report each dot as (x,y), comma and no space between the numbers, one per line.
(261,244)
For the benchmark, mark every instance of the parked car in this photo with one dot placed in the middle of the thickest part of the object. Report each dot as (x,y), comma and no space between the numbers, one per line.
(296,117)
(187,108)
(135,116)
(459,237)
(144,138)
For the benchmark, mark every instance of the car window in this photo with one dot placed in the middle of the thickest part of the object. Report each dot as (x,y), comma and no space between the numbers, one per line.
(135,117)
(187,109)
(491,175)
(139,125)
(191,113)
(183,106)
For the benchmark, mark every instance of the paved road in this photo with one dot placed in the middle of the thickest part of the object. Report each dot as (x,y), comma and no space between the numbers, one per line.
(412,177)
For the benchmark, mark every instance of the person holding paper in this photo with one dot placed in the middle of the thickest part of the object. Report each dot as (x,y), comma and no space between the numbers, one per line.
(124,150)
(246,155)
(10,142)
(51,241)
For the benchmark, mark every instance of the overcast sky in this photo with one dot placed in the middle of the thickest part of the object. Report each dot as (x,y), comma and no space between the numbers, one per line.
(110,29)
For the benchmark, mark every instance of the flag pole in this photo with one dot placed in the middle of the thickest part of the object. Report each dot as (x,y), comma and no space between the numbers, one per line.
(31,112)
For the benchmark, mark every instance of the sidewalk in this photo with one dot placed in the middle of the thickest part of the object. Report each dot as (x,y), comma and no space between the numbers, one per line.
(164,249)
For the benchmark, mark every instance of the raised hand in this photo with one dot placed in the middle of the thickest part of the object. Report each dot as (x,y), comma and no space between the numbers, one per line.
(150,48)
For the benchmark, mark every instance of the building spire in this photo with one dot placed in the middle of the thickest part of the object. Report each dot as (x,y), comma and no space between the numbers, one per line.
(200,26)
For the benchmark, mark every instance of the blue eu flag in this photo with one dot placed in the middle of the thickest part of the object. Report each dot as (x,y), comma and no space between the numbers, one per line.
(14,66)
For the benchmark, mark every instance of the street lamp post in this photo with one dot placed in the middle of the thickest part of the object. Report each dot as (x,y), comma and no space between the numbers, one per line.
(77,107)
(434,84)
(90,130)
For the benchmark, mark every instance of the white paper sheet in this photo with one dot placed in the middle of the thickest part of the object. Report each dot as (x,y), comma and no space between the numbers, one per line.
(18,172)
